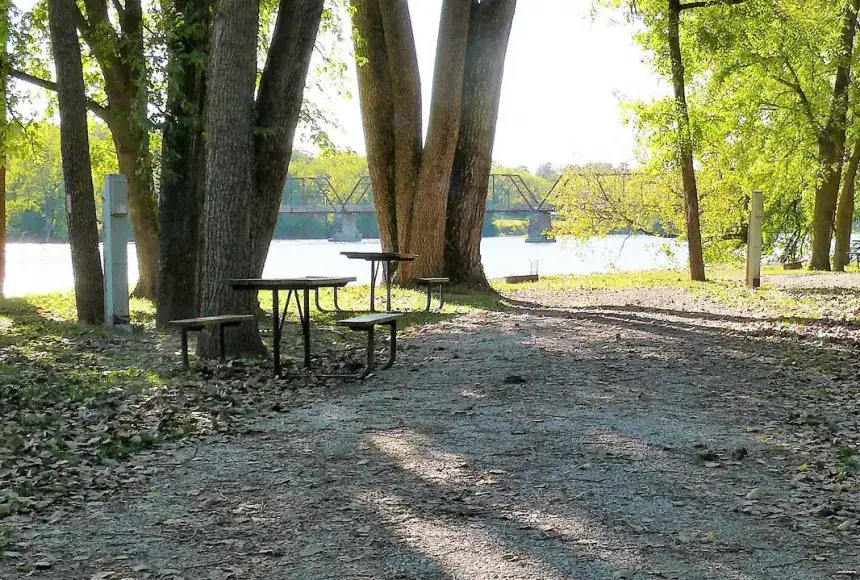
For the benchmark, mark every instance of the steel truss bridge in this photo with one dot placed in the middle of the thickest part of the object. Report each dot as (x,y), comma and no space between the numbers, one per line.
(507,193)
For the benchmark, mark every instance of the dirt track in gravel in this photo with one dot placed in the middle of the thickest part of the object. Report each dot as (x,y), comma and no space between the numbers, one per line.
(618,434)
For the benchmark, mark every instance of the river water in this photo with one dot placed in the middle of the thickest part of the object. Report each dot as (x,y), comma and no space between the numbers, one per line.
(42,268)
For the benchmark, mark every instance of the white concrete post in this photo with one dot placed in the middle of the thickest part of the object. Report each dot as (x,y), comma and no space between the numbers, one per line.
(754,242)
(116,234)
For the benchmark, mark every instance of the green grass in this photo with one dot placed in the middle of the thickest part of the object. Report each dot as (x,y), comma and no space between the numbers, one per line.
(725,285)
(512,227)
(356,298)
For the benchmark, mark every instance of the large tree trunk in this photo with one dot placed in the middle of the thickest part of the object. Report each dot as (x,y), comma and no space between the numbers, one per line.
(845,212)
(407,119)
(831,147)
(230,174)
(685,146)
(183,161)
(489,32)
(278,106)
(377,114)
(77,169)
(434,178)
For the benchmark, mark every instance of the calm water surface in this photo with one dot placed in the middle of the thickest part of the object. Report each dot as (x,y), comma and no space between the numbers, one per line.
(41,268)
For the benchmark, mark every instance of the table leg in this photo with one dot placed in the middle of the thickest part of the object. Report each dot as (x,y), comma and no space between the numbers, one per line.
(305,315)
(388,276)
(337,307)
(276,332)
(373,272)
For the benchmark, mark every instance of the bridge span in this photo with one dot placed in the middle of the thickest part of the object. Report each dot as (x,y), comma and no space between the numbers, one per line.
(506,194)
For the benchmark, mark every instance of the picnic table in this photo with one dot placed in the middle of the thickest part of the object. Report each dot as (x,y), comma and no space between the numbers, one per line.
(376,259)
(854,252)
(293,286)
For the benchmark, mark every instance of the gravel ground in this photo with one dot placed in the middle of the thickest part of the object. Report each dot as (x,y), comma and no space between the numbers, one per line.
(614,434)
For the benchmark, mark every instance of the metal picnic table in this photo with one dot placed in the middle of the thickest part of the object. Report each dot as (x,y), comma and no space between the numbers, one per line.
(293,286)
(376,259)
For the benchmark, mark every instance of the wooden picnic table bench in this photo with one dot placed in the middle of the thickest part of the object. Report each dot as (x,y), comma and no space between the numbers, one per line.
(430,283)
(293,287)
(854,252)
(368,324)
(377,259)
(198,324)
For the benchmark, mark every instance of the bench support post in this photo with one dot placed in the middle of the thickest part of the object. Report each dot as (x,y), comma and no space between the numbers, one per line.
(371,361)
(185,364)
(222,347)
(392,345)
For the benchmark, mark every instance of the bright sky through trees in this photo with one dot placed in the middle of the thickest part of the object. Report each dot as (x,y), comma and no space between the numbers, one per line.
(565,73)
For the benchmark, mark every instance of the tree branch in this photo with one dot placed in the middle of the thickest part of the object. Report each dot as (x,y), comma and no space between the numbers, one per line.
(97,109)
(708,3)
(804,100)
(120,9)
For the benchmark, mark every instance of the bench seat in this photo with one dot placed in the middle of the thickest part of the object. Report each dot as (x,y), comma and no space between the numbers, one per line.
(368,324)
(197,324)
(369,320)
(430,283)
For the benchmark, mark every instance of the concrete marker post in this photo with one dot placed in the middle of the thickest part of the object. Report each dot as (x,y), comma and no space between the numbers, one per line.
(116,235)
(754,241)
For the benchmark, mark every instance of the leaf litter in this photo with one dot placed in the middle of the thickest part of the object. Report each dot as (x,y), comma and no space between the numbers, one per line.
(722,442)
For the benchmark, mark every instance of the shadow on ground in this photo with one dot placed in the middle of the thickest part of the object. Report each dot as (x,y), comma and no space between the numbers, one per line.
(529,442)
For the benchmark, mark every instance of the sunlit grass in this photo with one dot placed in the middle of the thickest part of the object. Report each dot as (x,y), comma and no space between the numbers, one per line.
(355,300)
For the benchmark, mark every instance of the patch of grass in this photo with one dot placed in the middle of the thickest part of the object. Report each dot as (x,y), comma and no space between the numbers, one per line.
(355,299)
(512,227)
(612,281)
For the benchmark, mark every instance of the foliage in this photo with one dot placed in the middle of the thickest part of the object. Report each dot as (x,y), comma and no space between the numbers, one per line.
(511,227)
(759,79)
(35,190)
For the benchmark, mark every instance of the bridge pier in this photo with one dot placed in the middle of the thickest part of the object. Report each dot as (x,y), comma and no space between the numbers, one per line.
(345,228)
(540,223)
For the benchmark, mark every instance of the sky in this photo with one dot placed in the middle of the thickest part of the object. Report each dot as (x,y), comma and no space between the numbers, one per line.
(567,71)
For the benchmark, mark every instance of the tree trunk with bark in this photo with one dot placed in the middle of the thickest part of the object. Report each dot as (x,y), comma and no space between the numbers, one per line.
(183,159)
(831,145)
(230,174)
(279,103)
(412,183)
(845,212)
(685,145)
(122,60)
(77,168)
(4,126)
(377,114)
(489,31)
(434,178)
(407,116)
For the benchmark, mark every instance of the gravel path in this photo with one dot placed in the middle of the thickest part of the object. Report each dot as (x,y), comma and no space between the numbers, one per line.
(604,435)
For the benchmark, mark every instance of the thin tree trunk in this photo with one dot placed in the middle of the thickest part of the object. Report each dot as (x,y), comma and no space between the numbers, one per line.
(489,32)
(122,60)
(230,174)
(278,106)
(831,147)
(4,85)
(377,114)
(407,119)
(434,178)
(845,212)
(77,169)
(137,167)
(183,162)
(685,146)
